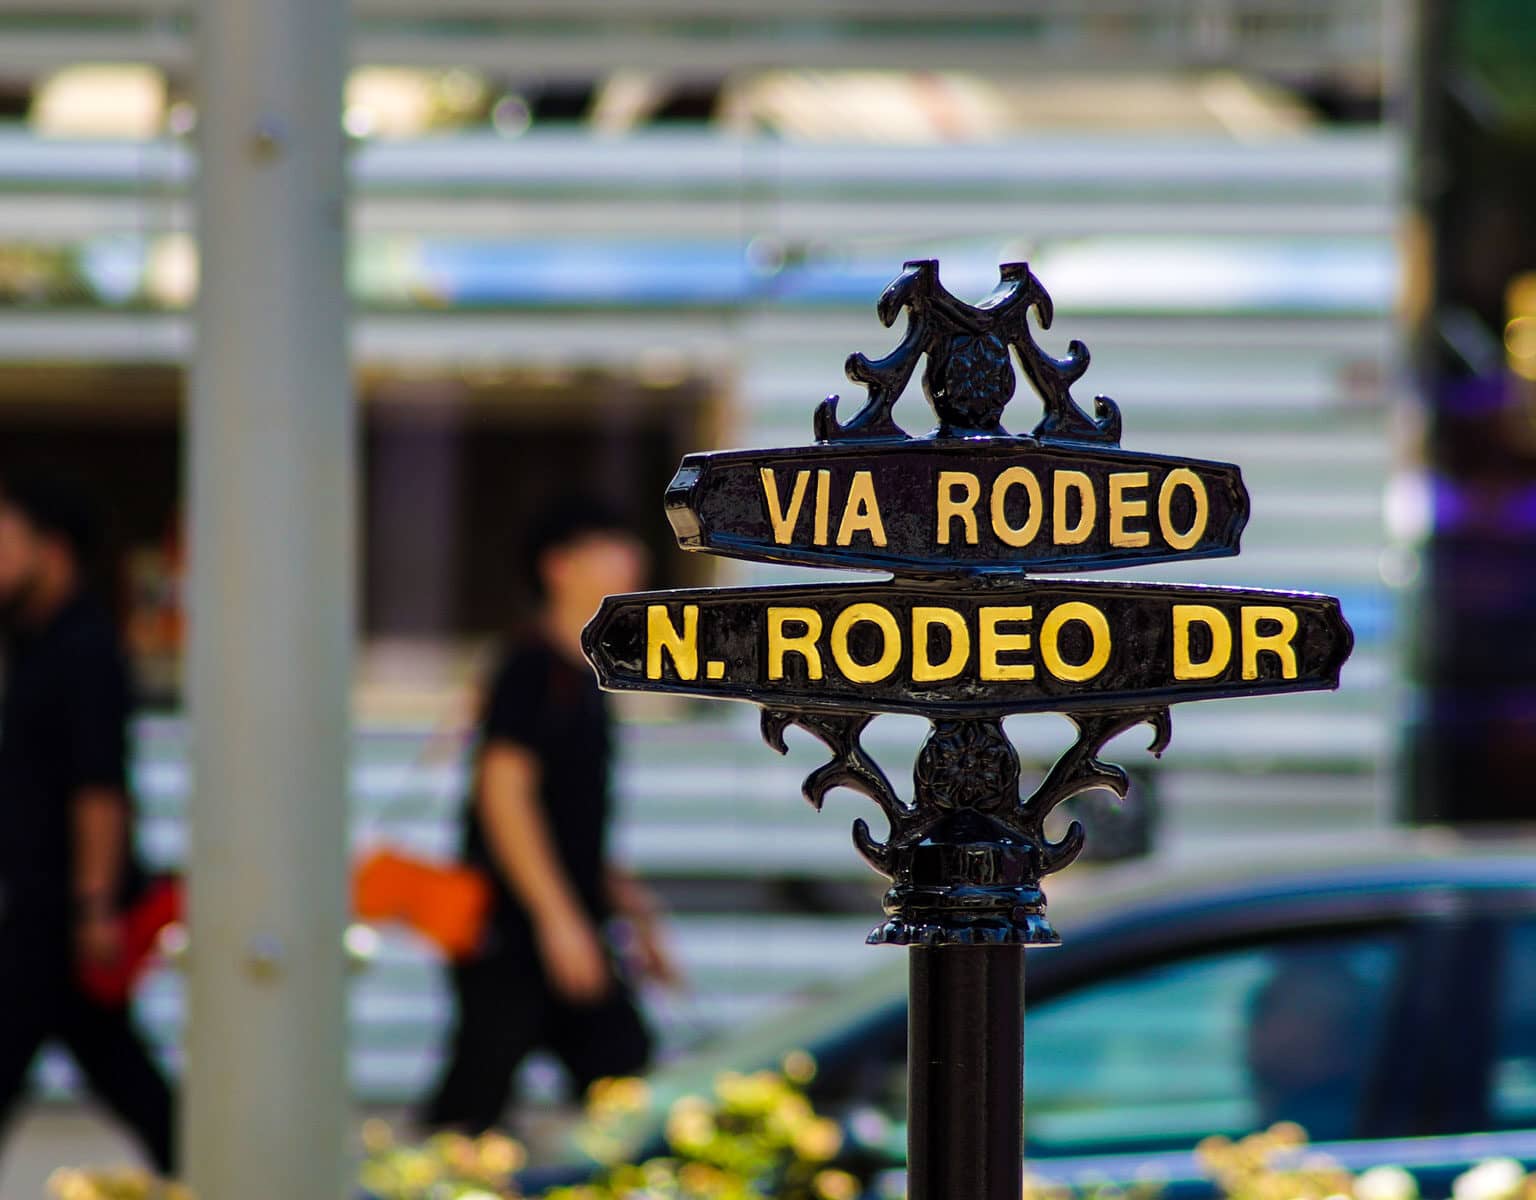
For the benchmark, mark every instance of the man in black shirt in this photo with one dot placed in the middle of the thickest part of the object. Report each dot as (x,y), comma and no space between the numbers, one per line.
(537,825)
(66,863)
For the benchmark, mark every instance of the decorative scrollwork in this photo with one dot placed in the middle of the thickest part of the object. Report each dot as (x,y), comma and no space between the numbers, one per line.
(966,856)
(850,767)
(966,764)
(1080,770)
(969,379)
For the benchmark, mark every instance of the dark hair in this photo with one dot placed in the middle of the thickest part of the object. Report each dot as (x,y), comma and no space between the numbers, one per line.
(565,523)
(56,508)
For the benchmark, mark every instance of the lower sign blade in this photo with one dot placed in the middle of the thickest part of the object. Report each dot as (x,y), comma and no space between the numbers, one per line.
(966,649)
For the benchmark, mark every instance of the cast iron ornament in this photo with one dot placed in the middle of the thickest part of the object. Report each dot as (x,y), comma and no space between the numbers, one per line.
(969,379)
(967,853)
(758,504)
(966,857)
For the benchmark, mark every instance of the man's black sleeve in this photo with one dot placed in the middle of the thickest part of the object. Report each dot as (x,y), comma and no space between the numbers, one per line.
(98,721)
(517,697)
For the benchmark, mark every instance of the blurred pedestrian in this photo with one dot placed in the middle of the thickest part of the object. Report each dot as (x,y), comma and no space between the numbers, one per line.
(67,867)
(537,825)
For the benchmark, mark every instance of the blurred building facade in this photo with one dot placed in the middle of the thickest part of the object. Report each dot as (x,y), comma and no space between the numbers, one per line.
(585,244)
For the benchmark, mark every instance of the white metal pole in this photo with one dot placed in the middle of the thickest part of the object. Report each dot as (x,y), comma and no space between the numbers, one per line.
(271,458)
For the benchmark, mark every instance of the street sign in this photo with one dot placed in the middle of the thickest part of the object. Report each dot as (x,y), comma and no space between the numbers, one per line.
(942,506)
(962,515)
(949,650)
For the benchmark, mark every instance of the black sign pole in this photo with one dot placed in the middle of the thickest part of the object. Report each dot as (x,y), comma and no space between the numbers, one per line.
(965,1072)
(960,516)
(965,897)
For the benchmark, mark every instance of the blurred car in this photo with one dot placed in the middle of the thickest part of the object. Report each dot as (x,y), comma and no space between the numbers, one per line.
(1387,1005)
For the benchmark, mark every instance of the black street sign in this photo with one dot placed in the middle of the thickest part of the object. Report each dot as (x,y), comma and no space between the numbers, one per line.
(960,516)
(1002,504)
(964,650)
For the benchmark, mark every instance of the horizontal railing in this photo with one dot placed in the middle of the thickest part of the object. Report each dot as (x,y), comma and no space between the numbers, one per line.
(588,37)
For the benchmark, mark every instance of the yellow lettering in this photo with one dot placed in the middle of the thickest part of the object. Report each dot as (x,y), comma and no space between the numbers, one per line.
(1175,479)
(862,511)
(661,634)
(964,507)
(1050,634)
(783,522)
(1062,533)
(1278,643)
(924,618)
(994,643)
(890,642)
(781,644)
(823,506)
(1012,477)
(1185,667)
(1120,507)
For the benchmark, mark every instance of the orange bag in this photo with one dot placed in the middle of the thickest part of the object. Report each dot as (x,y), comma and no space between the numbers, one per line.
(445,904)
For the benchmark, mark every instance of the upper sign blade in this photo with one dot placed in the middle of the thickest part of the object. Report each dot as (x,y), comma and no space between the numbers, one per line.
(940,506)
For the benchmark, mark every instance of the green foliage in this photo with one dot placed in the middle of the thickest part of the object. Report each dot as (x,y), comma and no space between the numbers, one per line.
(1279,1165)
(447,1166)
(757,1137)
(1273,1165)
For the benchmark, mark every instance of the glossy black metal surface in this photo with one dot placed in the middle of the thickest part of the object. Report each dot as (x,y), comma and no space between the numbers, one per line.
(965,1065)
